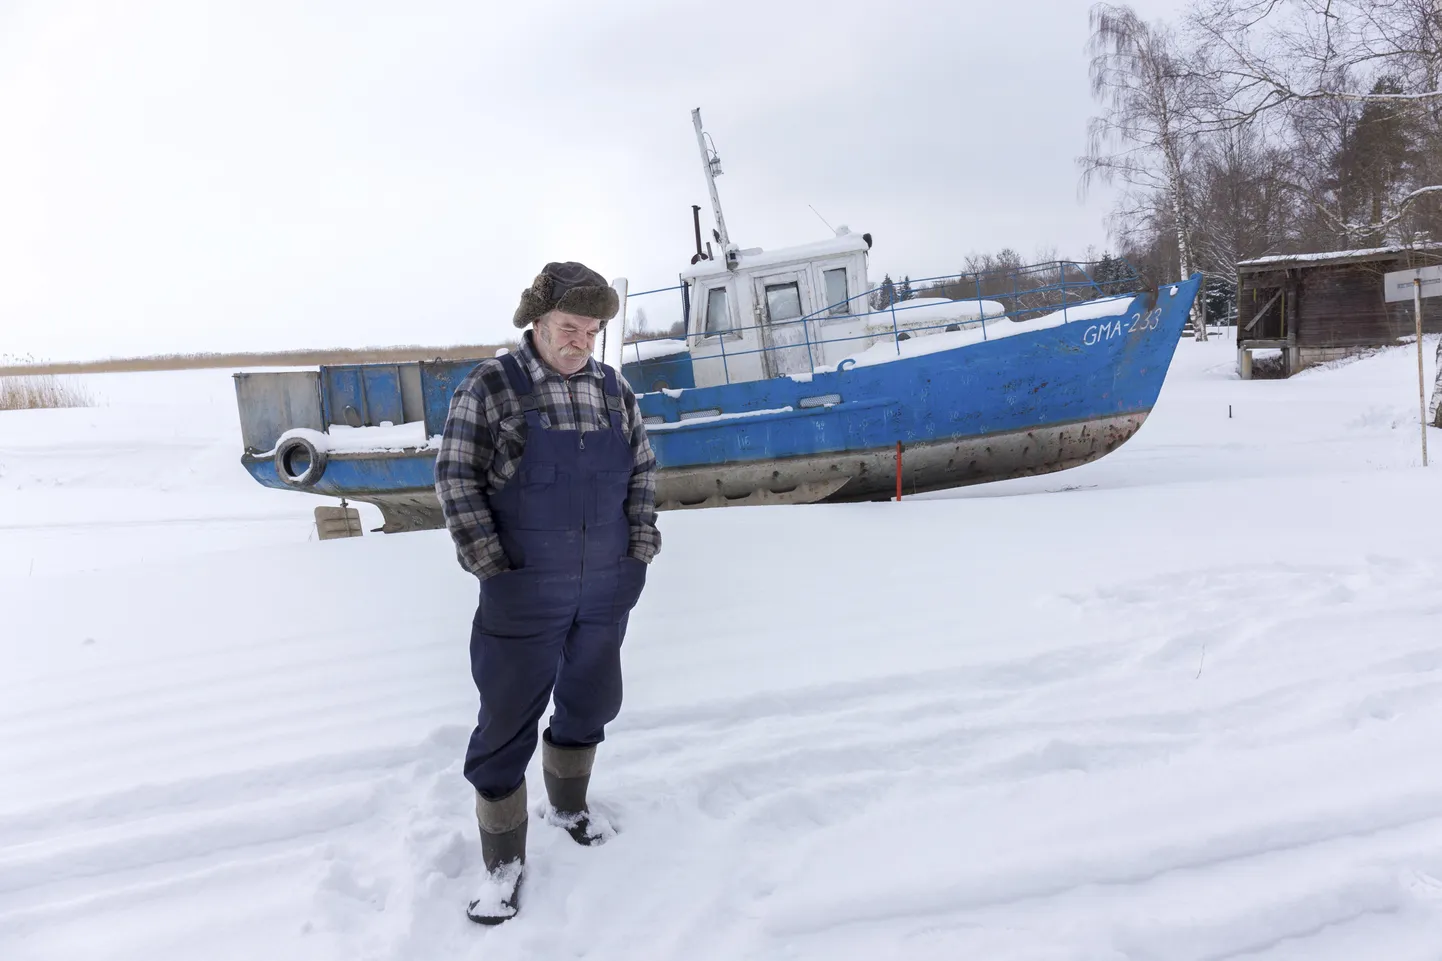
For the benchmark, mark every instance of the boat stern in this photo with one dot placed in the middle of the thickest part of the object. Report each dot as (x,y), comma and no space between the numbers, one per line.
(364,432)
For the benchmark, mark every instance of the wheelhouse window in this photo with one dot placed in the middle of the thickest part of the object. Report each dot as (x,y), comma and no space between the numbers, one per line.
(783,302)
(718,314)
(836,296)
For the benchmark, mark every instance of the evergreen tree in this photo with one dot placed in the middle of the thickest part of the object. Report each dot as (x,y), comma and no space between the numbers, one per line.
(1220,302)
(1104,272)
(904,292)
(885,295)
(1109,274)
(1373,157)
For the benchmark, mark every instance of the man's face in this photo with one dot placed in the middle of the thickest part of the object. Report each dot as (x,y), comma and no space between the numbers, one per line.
(566,340)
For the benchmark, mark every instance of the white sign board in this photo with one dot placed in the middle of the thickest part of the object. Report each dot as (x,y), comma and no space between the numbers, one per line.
(1398,284)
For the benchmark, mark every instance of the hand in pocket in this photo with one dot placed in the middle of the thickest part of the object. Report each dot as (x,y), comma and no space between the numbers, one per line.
(630,581)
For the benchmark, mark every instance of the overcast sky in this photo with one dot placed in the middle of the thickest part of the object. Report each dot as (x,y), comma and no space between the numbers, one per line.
(181,175)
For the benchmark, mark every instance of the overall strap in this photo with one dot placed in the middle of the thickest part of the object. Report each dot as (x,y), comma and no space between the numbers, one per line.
(615,403)
(521,384)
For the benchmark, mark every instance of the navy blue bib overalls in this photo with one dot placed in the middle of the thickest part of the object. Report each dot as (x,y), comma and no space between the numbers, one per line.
(554,622)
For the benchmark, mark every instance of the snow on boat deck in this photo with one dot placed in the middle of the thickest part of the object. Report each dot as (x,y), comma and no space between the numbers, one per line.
(995,328)
(651,350)
(341,439)
(1099,714)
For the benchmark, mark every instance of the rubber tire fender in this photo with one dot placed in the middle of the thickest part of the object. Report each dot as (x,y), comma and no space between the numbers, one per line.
(287,449)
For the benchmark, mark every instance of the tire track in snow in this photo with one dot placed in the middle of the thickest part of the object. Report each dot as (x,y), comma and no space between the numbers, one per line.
(1422,813)
(699,790)
(170,839)
(296,704)
(281,656)
(1276,836)
(83,849)
(219,790)
(993,681)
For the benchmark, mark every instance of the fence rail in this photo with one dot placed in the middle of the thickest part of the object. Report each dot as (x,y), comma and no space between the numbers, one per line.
(1024,292)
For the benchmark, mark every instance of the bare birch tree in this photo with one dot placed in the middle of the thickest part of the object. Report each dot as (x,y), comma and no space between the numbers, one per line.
(1245,194)
(1151,101)
(1279,56)
(1282,57)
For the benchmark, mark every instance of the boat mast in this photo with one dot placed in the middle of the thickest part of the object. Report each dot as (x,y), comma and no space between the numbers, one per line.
(711,165)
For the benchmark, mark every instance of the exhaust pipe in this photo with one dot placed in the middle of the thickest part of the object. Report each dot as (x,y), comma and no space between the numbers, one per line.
(696,219)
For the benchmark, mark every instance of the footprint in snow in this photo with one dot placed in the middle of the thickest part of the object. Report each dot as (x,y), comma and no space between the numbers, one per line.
(341,879)
(1422,886)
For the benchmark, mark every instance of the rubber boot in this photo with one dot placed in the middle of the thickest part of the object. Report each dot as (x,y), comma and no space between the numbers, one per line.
(503,848)
(568,773)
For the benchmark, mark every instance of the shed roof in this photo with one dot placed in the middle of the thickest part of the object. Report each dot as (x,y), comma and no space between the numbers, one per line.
(1336,257)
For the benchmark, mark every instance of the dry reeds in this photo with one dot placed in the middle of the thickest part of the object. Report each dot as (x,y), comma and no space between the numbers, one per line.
(36,393)
(39,391)
(24,367)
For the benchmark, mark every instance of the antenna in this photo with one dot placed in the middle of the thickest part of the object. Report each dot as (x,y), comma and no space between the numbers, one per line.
(711,166)
(822,219)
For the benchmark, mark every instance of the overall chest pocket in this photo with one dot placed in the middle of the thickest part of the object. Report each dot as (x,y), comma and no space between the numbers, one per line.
(612,489)
(538,476)
(545,496)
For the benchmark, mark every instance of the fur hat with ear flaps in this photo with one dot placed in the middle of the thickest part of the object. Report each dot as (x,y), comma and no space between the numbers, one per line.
(571,287)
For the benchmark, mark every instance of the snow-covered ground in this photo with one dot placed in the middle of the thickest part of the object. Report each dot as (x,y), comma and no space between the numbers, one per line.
(1182,703)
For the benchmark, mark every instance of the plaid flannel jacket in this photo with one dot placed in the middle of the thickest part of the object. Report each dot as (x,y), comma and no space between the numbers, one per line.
(485,435)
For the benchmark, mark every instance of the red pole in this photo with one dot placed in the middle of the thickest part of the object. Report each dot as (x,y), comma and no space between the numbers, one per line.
(898,470)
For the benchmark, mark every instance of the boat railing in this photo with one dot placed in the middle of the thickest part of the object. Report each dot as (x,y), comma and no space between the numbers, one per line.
(1009,294)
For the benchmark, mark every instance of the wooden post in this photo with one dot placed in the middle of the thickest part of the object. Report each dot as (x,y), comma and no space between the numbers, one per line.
(1421,376)
(1434,409)
(1202,309)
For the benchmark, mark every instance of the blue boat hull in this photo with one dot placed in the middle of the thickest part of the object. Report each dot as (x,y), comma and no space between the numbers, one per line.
(1014,406)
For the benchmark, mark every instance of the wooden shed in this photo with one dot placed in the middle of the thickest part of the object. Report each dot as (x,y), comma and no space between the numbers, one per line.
(1320,307)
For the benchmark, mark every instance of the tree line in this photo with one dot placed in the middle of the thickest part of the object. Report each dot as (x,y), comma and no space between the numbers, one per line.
(1255,127)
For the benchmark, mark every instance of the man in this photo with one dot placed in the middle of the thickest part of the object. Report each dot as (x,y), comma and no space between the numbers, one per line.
(548,485)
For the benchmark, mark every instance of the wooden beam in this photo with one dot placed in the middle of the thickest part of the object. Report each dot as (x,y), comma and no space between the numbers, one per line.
(1265,307)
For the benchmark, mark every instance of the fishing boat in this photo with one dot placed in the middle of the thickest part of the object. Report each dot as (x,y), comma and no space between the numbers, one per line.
(794,380)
